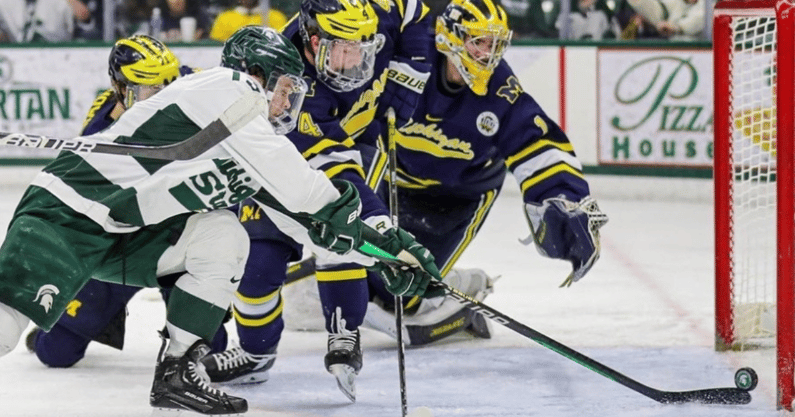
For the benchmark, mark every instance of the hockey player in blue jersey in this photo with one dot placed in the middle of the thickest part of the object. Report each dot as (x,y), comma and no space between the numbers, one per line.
(138,66)
(358,56)
(473,124)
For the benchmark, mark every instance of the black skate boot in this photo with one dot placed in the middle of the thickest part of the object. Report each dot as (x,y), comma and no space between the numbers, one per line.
(179,386)
(344,360)
(236,366)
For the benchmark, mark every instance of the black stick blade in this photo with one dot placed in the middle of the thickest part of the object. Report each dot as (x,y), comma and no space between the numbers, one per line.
(728,396)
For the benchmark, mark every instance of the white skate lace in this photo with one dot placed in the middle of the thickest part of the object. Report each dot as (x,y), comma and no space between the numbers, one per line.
(194,375)
(342,338)
(342,341)
(237,357)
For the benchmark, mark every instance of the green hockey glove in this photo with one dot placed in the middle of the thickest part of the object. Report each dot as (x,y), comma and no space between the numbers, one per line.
(337,226)
(414,278)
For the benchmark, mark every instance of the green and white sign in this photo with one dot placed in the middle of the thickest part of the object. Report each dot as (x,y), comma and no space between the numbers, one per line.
(48,91)
(655,108)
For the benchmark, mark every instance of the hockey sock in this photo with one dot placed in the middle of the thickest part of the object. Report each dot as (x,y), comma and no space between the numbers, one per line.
(259,322)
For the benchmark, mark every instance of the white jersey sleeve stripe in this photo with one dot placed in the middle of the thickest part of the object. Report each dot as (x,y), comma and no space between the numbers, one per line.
(91,209)
(411,8)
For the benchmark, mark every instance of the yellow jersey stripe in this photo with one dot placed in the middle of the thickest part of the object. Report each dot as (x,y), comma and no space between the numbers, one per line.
(378,170)
(480,215)
(346,275)
(336,169)
(325,144)
(535,179)
(566,147)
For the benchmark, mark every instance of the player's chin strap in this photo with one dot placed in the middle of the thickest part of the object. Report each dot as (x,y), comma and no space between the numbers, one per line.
(239,114)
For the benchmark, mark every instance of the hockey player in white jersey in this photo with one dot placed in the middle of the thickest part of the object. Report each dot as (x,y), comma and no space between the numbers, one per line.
(130,219)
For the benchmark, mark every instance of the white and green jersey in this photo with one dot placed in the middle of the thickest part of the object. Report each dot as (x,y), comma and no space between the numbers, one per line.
(123,193)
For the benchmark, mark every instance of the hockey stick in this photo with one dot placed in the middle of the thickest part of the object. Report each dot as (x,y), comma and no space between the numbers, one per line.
(393,213)
(300,270)
(242,111)
(704,396)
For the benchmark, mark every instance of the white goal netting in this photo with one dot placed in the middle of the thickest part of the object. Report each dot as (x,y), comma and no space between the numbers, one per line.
(754,185)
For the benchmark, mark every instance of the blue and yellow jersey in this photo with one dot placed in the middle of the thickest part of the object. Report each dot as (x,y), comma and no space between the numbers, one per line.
(100,114)
(330,122)
(459,143)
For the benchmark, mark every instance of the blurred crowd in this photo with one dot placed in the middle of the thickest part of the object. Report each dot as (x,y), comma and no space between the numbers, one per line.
(188,20)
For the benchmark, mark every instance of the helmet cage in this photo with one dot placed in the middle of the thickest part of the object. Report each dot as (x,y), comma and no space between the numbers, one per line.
(475,52)
(474,35)
(488,44)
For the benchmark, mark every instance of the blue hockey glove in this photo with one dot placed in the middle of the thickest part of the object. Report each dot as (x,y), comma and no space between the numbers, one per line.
(405,82)
(337,226)
(566,230)
(414,278)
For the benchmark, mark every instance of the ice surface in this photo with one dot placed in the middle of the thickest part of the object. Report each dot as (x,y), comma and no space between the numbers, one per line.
(646,310)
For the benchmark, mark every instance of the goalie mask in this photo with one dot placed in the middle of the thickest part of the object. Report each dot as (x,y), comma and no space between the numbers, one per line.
(348,40)
(139,67)
(473,34)
(268,55)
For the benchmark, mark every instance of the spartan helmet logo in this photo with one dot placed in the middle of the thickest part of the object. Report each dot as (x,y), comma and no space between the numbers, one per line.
(44,296)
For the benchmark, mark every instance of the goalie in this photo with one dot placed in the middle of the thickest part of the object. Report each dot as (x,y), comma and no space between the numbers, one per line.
(472,122)
(454,143)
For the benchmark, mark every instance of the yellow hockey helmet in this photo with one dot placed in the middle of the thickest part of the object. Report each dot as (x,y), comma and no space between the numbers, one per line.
(473,34)
(349,40)
(140,60)
(352,20)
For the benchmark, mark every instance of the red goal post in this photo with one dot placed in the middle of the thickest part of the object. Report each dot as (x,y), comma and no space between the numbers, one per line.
(753,44)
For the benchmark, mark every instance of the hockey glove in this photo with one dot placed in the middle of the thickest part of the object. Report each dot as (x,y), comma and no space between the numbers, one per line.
(337,226)
(405,82)
(566,230)
(412,279)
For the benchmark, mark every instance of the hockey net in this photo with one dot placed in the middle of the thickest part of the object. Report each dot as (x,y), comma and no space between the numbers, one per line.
(754,238)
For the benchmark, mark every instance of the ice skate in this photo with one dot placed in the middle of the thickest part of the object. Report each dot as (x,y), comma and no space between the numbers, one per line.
(179,387)
(344,360)
(236,366)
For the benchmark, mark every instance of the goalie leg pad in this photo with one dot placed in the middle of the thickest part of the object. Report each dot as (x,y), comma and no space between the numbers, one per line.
(438,317)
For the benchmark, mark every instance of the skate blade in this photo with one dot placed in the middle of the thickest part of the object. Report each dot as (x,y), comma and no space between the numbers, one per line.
(173,412)
(346,379)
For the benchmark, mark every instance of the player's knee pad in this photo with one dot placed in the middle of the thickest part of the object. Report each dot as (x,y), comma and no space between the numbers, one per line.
(12,324)
(218,246)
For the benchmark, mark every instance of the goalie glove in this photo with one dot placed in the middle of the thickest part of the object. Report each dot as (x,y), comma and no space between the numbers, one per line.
(405,82)
(337,226)
(414,278)
(566,230)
